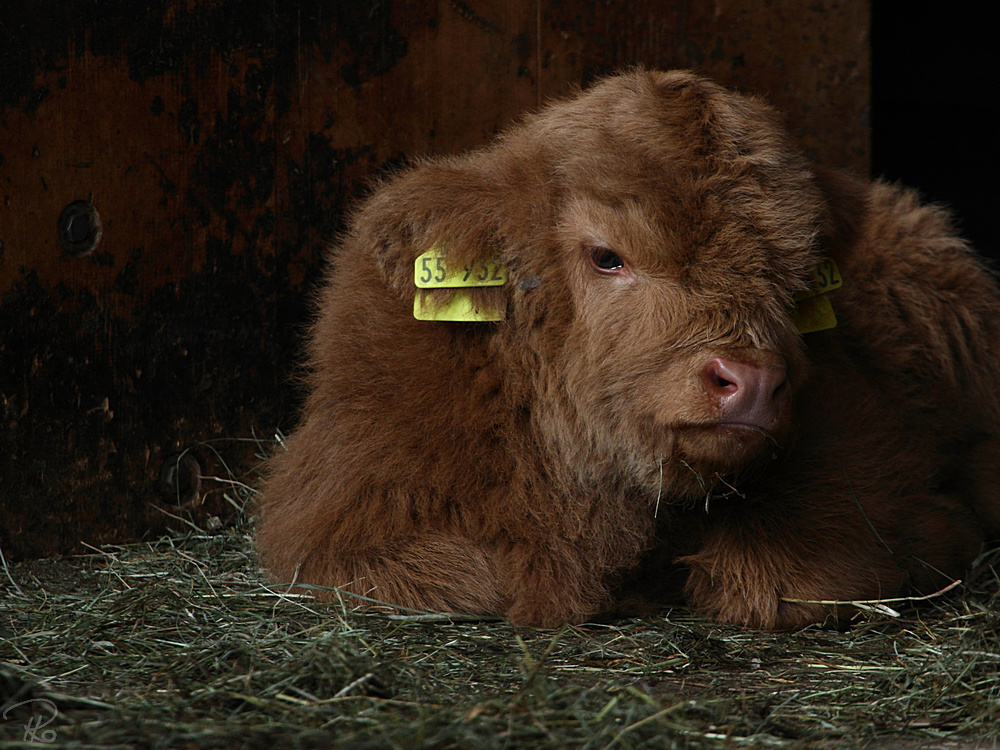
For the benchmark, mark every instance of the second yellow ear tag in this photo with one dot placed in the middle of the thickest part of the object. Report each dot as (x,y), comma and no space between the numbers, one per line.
(814,314)
(826,277)
(814,311)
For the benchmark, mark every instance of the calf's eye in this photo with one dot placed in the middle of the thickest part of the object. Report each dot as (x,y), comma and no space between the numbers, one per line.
(606,260)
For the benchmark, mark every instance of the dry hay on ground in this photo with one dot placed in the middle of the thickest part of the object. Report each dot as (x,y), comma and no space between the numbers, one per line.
(179,643)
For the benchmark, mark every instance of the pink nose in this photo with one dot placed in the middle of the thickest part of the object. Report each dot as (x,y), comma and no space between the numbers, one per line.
(749,394)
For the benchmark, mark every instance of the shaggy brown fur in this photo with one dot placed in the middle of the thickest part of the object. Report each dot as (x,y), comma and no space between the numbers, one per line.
(648,397)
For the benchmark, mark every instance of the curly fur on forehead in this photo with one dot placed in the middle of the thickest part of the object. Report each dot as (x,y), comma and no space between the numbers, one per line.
(646,423)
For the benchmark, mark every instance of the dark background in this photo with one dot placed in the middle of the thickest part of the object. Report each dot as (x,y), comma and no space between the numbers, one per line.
(934,108)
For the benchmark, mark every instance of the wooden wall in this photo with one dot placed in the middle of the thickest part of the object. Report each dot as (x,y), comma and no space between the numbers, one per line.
(220,144)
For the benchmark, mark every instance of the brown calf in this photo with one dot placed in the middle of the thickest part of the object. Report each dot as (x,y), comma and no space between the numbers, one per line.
(646,419)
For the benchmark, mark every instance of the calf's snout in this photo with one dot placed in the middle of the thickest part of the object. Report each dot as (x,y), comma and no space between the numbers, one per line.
(749,394)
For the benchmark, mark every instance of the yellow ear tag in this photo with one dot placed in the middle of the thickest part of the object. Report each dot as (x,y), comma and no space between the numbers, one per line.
(459,309)
(814,314)
(825,277)
(814,311)
(431,271)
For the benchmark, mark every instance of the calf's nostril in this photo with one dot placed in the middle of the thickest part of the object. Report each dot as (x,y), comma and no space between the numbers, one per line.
(720,381)
(721,377)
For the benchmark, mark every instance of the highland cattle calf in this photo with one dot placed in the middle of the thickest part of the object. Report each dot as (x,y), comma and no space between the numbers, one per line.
(639,349)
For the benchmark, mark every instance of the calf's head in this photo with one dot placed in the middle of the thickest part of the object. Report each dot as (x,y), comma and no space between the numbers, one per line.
(655,229)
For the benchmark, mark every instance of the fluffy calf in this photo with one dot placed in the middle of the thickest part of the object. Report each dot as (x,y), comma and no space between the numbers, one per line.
(646,419)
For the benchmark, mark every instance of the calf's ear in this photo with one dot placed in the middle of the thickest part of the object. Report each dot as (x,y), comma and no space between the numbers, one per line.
(472,208)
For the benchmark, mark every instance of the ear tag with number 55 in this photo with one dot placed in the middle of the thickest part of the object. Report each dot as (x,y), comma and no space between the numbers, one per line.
(431,270)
